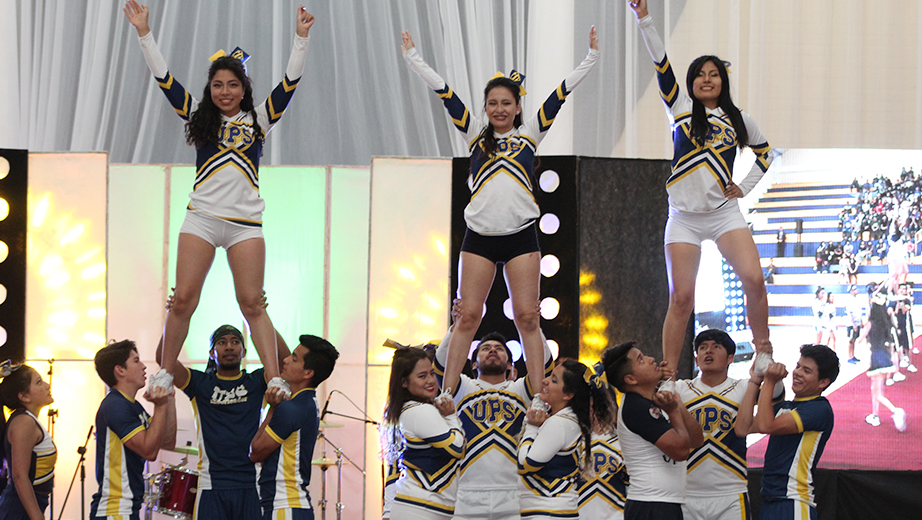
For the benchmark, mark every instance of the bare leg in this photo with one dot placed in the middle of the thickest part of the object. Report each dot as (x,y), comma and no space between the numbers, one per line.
(877,395)
(193,260)
(741,253)
(247,261)
(681,269)
(523,279)
(475,275)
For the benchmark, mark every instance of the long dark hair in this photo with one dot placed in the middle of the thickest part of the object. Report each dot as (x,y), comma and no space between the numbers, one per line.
(12,385)
(205,123)
(588,403)
(405,360)
(699,121)
(487,137)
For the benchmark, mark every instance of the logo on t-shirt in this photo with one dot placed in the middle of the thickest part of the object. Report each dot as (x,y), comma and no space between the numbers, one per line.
(232,396)
(655,412)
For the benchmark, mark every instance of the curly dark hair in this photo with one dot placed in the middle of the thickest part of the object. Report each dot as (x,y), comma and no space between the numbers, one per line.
(204,125)
(699,122)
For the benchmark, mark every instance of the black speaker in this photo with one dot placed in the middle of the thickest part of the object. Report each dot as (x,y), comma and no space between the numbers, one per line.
(799,225)
(744,352)
(14,187)
(611,285)
(798,249)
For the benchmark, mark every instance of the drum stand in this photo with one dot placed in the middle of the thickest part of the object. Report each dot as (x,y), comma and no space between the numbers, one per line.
(324,463)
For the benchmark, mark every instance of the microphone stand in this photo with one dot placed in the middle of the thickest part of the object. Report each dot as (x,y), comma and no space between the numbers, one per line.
(52,413)
(82,469)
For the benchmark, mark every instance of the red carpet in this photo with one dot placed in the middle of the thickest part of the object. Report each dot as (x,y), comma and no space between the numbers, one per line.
(854,444)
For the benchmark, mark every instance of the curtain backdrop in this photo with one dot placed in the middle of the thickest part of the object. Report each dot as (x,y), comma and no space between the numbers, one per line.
(823,74)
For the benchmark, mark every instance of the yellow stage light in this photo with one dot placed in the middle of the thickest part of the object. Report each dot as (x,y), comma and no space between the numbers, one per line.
(96,312)
(596,322)
(72,235)
(93,338)
(405,273)
(4,209)
(4,167)
(586,278)
(41,210)
(2,293)
(93,271)
(4,251)
(388,313)
(590,297)
(440,246)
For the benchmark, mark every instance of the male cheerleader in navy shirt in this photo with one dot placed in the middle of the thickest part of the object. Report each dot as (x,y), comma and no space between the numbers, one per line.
(126,435)
(799,430)
(656,433)
(285,441)
(226,402)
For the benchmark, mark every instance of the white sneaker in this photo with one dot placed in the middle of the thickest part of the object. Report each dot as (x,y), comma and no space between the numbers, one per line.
(445,395)
(538,404)
(278,382)
(162,378)
(666,386)
(872,419)
(889,381)
(904,363)
(899,419)
(912,368)
(915,350)
(760,365)
(897,377)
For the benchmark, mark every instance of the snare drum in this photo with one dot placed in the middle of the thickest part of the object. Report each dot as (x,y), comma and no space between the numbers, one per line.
(173,491)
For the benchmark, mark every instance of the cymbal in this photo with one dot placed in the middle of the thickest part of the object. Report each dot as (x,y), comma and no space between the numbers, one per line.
(186,450)
(327,424)
(325,462)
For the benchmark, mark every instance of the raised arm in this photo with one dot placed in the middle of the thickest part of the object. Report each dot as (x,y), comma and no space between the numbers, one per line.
(183,103)
(162,431)
(668,87)
(459,113)
(272,109)
(542,121)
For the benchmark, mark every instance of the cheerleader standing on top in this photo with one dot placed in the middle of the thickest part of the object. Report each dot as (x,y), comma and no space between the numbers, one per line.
(27,447)
(502,213)
(556,444)
(707,128)
(424,437)
(225,209)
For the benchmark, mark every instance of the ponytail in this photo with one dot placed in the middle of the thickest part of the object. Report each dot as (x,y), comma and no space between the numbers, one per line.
(16,379)
(590,402)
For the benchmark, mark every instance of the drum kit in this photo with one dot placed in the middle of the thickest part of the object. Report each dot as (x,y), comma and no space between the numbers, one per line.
(172,491)
(325,463)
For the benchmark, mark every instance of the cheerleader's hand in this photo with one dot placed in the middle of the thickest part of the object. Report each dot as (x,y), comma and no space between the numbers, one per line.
(639,7)
(536,417)
(733,191)
(305,21)
(446,407)
(407,42)
(593,39)
(137,16)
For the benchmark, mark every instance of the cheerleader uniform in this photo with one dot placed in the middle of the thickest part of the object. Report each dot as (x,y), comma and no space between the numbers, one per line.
(225,207)
(602,496)
(41,474)
(698,209)
(549,466)
(492,417)
(433,447)
(502,186)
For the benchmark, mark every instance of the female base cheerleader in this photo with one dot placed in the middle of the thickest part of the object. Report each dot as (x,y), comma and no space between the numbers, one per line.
(554,442)
(27,447)
(707,128)
(225,209)
(424,436)
(502,213)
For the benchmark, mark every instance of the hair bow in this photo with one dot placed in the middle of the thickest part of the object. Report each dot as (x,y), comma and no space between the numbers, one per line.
(595,377)
(7,368)
(237,53)
(517,77)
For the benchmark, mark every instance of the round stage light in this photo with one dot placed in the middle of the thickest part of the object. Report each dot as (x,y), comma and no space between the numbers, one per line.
(4,167)
(549,181)
(550,264)
(507,309)
(4,209)
(2,336)
(4,251)
(550,307)
(553,347)
(549,224)
(516,348)
(2,293)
